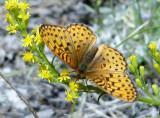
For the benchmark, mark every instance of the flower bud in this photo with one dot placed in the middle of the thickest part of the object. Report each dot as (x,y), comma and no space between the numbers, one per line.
(157,67)
(10,19)
(132,69)
(132,58)
(134,61)
(135,64)
(155,90)
(157,56)
(142,71)
(152,47)
(139,83)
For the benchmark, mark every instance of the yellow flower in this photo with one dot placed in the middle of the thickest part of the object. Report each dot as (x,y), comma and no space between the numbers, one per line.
(152,46)
(156,54)
(156,90)
(11,4)
(27,41)
(23,16)
(64,75)
(73,86)
(132,58)
(131,67)
(36,29)
(28,56)
(134,64)
(71,96)
(8,17)
(38,39)
(23,5)
(142,71)
(139,83)
(45,73)
(157,67)
(12,29)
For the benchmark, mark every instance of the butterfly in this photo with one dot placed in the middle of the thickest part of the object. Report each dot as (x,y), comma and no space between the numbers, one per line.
(76,46)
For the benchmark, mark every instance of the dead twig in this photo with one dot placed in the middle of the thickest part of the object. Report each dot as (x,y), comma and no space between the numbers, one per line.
(21,96)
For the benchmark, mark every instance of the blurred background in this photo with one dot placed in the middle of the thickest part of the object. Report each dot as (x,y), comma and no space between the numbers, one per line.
(112,21)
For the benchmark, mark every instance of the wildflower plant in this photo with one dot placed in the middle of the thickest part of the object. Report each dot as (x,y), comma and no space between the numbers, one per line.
(139,72)
(18,18)
(156,56)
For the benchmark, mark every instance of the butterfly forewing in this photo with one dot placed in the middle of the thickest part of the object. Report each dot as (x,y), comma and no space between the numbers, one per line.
(59,42)
(83,39)
(117,84)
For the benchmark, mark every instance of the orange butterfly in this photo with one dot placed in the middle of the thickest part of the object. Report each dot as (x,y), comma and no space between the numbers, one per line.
(75,46)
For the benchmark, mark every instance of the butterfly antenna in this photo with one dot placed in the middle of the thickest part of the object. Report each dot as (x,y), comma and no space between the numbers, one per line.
(53,59)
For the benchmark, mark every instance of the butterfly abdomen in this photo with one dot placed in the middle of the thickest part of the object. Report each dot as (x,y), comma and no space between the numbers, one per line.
(89,57)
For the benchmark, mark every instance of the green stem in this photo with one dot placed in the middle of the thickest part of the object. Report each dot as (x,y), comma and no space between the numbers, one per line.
(145,90)
(148,93)
(22,31)
(45,60)
(73,107)
(148,101)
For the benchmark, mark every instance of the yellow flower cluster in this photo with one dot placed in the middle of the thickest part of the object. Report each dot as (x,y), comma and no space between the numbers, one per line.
(14,4)
(44,73)
(152,46)
(24,16)
(17,16)
(28,41)
(23,5)
(133,66)
(12,28)
(132,58)
(71,96)
(156,55)
(73,86)
(28,56)
(64,75)
(72,93)
(37,38)
(11,4)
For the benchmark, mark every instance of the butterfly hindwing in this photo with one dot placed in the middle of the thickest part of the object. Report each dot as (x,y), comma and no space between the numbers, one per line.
(108,58)
(117,84)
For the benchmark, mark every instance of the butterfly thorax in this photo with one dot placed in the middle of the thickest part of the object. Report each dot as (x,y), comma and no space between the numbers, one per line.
(83,66)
